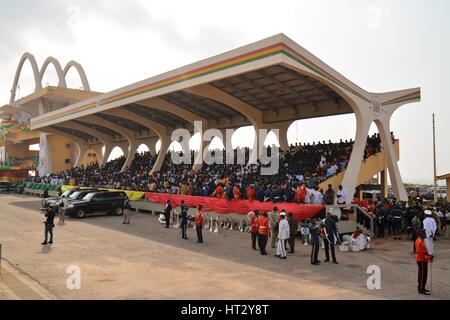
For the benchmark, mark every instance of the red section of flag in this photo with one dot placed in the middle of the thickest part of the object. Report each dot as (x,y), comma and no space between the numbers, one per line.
(300,211)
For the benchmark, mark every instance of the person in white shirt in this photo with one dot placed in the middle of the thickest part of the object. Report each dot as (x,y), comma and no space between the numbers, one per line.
(62,210)
(283,235)
(319,197)
(308,196)
(316,196)
(429,224)
(341,195)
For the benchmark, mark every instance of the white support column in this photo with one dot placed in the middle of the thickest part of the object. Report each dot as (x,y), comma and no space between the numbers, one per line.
(198,160)
(99,153)
(45,155)
(282,129)
(352,172)
(253,114)
(209,135)
(152,147)
(391,161)
(391,101)
(165,144)
(106,154)
(130,156)
(81,154)
(253,157)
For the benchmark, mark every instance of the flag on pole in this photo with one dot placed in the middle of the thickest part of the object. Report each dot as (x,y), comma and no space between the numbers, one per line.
(8,124)
(5,126)
(25,127)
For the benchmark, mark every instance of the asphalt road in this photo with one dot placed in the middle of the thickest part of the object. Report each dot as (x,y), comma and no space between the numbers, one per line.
(145,261)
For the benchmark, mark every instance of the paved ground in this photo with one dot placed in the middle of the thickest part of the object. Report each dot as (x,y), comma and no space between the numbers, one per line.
(145,261)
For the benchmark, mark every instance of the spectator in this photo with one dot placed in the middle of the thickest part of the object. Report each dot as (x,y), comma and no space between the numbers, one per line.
(329,195)
(341,195)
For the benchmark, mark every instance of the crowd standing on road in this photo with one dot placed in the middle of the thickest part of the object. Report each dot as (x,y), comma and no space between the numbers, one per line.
(421,223)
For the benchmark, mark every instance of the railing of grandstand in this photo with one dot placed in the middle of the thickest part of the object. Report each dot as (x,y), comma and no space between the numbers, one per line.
(363,218)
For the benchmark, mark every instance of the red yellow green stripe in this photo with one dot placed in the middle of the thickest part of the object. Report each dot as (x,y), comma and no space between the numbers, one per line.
(259,54)
(408,97)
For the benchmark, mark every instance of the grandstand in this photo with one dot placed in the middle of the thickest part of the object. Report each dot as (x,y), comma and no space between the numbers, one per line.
(268,84)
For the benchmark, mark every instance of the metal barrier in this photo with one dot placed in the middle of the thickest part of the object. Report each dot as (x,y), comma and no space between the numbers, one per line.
(352,216)
(359,218)
(39,192)
(364,220)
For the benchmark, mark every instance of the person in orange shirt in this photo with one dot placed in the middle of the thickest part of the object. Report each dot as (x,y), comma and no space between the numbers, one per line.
(300,193)
(218,191)
(422,259)
(254,215)
(199,223)
(236,192)
(365,203)
(251,193)
(263,232)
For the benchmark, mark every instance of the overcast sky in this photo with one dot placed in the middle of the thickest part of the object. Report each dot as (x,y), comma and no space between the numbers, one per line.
(379,45)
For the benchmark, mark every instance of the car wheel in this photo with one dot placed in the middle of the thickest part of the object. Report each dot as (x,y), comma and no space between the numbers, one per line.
(118,211)
(81,214)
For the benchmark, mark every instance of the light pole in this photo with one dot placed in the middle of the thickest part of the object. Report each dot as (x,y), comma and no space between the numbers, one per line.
(434,161)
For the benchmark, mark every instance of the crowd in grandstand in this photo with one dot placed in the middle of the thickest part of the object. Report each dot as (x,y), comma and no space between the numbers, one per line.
(308,164)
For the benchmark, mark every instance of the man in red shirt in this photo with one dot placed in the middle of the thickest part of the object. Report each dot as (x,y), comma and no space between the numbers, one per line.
(254,215)
(300,193)
(236,192)
(199,224)
(251,193)
(422,259)
(364,203)
(263,231)
(218,191)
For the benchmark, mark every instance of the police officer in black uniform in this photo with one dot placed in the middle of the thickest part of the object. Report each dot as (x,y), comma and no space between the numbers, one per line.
(330,236)
(381,220)
(167,211)
(314,231)
(184,220)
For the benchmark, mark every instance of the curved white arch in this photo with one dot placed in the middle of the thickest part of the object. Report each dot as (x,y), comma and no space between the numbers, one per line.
(81,73)
(59,71)
(38,85)
(39,74)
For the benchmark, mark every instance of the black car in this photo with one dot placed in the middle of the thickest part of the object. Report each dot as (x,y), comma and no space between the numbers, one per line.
(77,195)
(111,202)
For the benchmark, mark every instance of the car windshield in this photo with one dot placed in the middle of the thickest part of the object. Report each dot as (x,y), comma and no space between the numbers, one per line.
(75,195)
(66,194)
(89,196)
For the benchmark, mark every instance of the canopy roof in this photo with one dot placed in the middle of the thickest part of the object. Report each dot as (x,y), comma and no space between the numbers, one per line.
(272,80)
